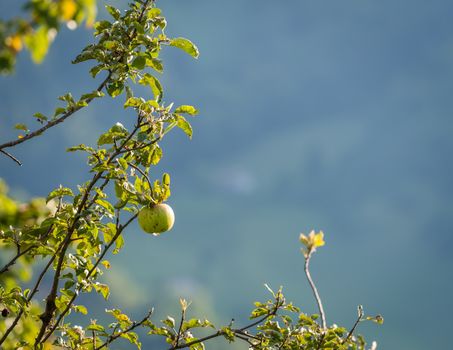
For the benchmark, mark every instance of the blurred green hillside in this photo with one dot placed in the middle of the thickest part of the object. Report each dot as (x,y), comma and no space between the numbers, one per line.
(327,115)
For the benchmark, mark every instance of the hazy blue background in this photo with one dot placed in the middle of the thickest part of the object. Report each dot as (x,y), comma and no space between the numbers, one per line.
(333,115)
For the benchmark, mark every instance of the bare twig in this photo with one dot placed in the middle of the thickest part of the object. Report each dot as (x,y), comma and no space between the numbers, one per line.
(359,318)
(14,259)
(11,156)
(314,289)
(143,173)
(183,315)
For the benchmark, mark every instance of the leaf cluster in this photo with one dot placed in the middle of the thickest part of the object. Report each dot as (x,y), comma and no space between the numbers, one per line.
(36,30)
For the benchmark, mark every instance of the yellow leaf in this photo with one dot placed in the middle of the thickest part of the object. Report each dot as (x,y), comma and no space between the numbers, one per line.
(106,264)
(123,317)
(304,240)
(14,43)
(318,239)
(68,8)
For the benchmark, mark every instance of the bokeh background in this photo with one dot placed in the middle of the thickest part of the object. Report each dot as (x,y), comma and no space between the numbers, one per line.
(332,115)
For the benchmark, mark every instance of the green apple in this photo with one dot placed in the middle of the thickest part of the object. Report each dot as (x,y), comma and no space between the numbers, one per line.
(156,218)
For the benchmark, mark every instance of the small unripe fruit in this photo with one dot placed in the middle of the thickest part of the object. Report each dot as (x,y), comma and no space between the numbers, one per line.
(156,218)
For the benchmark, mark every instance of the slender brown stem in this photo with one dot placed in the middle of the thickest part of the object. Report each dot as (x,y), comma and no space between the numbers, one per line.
(14,259)
(9,155)
(314,289)
(183,315)
(143,173)
(351,332)
(129,329)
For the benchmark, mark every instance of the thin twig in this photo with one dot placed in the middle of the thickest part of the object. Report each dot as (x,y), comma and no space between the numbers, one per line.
(351,332)
(11,156)
(143,173)
(14,259)
(314,289)
(183,315)
(131,328)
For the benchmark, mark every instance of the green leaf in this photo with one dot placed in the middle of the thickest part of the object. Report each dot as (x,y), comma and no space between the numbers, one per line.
(95,327)
(129,92)
(169,321)
(139,28)
(155,155)
(41,117)
(91,95)
(228,334)
(96,69)
(106,204)
(154,84)
(102,25)
(186,109)
(185,45)
(139,62)
(123,163)
(103,289)
(119,243)
(58,111)
(115,88)
(166,179)
(59,192)
(21,127)
(80,308)
(67,98)
(114,12)
(80,147)
(133,102)
(155,63)
(133,338)
(153,13)
(38,43)
(184,125)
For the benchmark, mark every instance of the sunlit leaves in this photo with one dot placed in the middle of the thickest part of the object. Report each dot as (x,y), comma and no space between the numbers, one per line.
(59,192)
(115,88)
(114,12)
(38,43)
(85,224)
(185,45)
(186,109)
(67,9)
(154,84)
(184,125)
(102,289)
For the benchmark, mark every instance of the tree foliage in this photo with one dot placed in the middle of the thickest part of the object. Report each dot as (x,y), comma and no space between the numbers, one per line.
(68,238)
